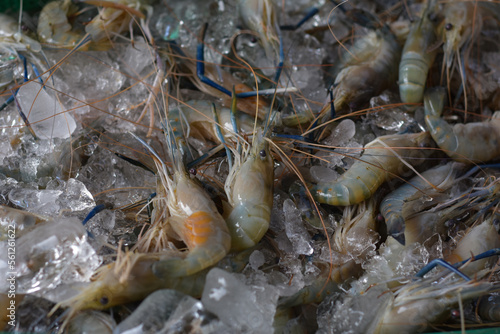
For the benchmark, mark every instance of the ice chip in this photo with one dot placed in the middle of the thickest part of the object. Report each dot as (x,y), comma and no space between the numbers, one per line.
(44,112)
(241,307)
(256,259)
(295,229)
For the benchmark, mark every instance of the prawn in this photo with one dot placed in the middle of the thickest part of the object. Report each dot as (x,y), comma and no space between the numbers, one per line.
(369,67)
(190,215)
(260,16)
(352,243)
(467,143)
(115,18)
(249,189)
(391,207)
(478,239)
(129,278)
(381,161)
(354,240)
(417,58)
(420,225)
(416,305)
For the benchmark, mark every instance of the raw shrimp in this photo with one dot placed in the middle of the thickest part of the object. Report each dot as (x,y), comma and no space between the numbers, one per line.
(129,278)
(459,28)
(201,125)
(190,215)
(368,68)
(421,223)
(353,241)
(417,58)
(352,244)
(53,26)
(115,18)
(417,305)
(467,143)
(382,160)
(249,188)
(260,16)
(479,238)
(391,206)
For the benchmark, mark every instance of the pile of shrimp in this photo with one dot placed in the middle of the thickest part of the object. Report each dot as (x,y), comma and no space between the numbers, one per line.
(340,170)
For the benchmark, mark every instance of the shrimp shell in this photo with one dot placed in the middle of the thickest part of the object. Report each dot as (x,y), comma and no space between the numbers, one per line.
(380,162)
(467,143)
(416,59)
(249,188)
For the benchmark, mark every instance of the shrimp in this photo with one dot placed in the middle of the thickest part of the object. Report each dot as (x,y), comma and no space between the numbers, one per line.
(467,143)
(115,18)
(53,26)
(391,206)
(368,68)
(129,278)
(417,305)
(260,16)
(191,216)
(381,161)
(249,189)
(354,240)
(416,59)
(477,239)
(421,225)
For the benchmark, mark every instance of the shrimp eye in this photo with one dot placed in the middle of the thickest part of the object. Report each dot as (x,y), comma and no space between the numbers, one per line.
(448,26)
(192,171)
(263,153)
(104,300)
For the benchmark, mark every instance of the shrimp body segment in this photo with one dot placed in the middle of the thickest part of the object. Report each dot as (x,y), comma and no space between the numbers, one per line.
(467,143)
(381,161)
(249,188)
(416,60)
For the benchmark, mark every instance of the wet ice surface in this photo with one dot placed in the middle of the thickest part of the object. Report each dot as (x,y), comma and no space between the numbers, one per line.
(52,253)
(246,309)
(44,112)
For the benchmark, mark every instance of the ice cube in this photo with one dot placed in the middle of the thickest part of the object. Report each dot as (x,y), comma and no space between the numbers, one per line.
(237,305)
(44,112)
(295,229)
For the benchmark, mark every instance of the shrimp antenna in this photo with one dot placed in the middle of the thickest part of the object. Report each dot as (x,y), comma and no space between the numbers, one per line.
(221,136)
